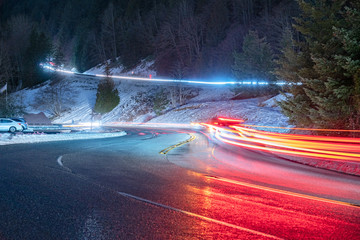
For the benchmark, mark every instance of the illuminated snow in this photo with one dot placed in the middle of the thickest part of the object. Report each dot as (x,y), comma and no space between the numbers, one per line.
(7,138)
(210,101)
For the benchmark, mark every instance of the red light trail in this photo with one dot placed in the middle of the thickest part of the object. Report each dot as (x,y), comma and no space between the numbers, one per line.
(324,147)
(306,129)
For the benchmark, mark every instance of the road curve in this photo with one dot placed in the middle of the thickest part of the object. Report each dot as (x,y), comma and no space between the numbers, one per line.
(122,188)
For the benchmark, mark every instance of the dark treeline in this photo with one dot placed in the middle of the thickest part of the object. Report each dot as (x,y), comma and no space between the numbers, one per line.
(189,38)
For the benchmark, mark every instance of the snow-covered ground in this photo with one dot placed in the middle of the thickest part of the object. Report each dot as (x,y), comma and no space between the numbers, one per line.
(7,138)
(248,110)
(78,95)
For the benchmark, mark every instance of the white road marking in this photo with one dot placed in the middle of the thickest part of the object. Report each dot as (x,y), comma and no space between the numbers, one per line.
(60,162)
(199,216)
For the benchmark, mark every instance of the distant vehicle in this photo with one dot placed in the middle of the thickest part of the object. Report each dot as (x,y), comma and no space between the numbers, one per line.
(9,125)
(22,121)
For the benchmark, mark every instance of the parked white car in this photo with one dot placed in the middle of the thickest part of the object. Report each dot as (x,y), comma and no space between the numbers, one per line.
(22,121)
(9,125)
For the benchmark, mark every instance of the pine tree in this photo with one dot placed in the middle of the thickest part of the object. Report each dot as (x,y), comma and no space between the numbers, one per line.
(255,60)
(59,58)
(107,96)
(321,90)
(289,62)
(349,35)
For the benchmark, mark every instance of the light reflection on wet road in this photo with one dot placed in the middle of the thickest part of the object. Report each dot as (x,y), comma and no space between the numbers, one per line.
(124,189)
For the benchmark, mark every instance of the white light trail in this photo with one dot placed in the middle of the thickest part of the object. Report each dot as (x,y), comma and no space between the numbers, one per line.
(150,79)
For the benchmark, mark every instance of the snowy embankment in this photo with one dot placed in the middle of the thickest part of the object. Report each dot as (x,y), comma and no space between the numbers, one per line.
(7,138)
(254,111)
(137,101)
(77,95)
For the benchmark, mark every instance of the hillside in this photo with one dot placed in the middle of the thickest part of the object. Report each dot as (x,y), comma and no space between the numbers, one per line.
(75,96)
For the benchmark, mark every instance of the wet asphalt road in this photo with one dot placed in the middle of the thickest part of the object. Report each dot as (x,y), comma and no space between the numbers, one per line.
(122,188)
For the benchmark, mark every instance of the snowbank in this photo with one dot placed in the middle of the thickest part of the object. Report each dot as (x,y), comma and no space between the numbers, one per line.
(7,138)
(272,102)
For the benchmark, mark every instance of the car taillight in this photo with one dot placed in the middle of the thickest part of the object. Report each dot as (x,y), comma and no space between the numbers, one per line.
(19,124)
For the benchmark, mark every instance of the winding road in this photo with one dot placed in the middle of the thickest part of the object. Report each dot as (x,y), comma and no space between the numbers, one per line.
(169,184)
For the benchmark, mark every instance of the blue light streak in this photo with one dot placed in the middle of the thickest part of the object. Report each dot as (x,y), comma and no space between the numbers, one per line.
(247,82)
